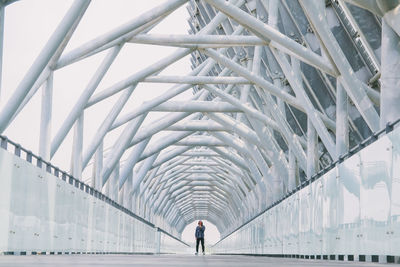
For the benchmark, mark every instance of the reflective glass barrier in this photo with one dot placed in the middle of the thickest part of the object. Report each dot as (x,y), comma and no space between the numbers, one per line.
(169,244)
(353,209)
(45,210)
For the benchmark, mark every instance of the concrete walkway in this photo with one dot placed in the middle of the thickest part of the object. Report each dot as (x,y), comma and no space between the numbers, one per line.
(164,260)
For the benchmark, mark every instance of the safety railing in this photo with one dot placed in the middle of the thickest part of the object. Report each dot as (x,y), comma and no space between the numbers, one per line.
(171,244)
(373,138)
(40,163)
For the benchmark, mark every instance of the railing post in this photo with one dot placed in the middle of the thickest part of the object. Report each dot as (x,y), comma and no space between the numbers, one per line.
(4,143)
(158,241)
(17,151)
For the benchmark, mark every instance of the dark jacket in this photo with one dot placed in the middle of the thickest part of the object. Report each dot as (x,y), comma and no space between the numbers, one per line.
(200,231)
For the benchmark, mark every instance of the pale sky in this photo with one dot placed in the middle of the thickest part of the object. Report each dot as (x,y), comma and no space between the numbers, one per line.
(29,24)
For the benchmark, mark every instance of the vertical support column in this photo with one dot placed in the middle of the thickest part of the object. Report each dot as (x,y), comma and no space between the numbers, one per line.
(293,170)
(97,167)
(76,160)
(136,203)
(121,194)
(147,164)
(273,13)
(273,22)
(106,188)
(278,186)
(342,125)
(131,196)
(280,102)
(390,77)
(2,14)
(127,187)
(244,93)
(114,188)
(296,69)
(45,119)
(312,149)
(260,201)
(132,160)
(148,215)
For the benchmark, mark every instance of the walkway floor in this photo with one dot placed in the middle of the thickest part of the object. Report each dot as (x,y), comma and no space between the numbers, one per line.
(165,260)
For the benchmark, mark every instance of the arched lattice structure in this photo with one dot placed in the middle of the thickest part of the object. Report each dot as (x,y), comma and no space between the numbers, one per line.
(281,89)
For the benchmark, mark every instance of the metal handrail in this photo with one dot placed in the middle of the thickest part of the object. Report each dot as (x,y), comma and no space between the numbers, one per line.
(374,137)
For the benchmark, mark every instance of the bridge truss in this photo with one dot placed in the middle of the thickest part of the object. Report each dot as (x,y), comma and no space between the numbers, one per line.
(281,90)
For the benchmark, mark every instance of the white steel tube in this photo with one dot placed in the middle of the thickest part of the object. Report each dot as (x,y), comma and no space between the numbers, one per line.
(163,158)
(292,171)
(113,183)
(161,144)
(342,123)
(196,106)
(120,146)
(236,160)
(153,68)
(131,161)
(97,168)
(274,37)
(76,156)
(57,38)
(143,171)
(390,78)
(168,120)
(178,54)
(196,125)
(298,88)
(312,149)
(45,119)
(196,79)
(248,110)
(126,28)
(195,39)
(83,99)
(352,85)
(80,54)
(177,90)
(259,81)
(200,140)
(106,125)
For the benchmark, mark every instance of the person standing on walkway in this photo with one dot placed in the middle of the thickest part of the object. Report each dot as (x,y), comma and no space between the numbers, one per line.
(199,234)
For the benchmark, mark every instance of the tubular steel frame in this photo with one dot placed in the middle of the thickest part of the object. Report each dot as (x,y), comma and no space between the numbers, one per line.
(274,102)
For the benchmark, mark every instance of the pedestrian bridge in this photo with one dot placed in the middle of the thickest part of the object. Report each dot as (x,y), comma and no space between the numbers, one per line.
(166,260)
(284,133)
